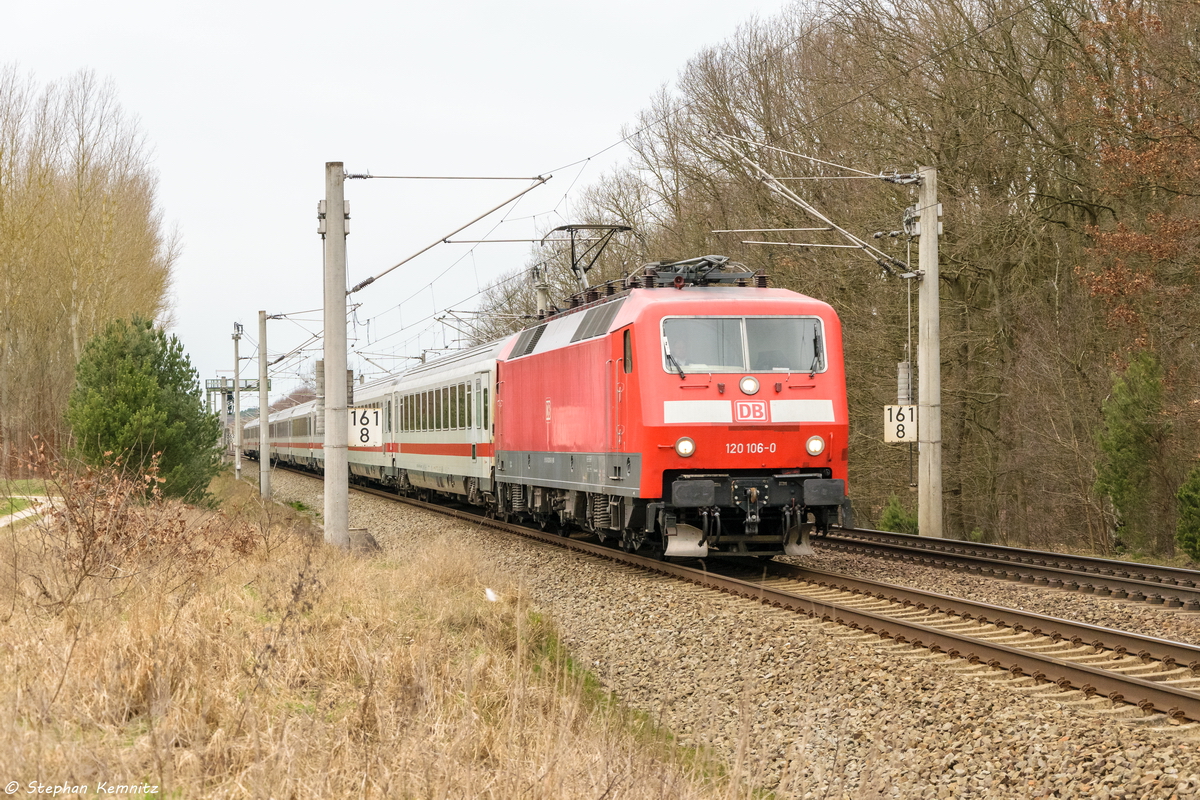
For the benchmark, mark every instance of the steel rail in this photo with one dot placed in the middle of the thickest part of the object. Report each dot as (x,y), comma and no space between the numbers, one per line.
(1038,570)
(1154,573)
(1148,695)
(1120,642)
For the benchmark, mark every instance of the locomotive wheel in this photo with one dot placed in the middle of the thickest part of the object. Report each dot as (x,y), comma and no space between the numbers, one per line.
(632,540)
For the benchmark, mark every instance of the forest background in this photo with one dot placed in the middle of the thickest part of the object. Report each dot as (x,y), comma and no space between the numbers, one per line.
(1065,134)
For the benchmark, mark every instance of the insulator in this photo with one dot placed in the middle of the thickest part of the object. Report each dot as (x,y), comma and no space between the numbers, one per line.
(741,281)
(760,280)
(574,302)
(591,296)
(610,289)
(650,281)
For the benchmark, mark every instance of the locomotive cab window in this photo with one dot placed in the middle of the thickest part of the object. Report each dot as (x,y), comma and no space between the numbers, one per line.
(743,344)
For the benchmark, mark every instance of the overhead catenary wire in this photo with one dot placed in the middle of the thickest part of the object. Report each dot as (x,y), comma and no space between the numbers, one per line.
(540,180)
(872,88)
(806,244)
(364,175)
(800,155)
(875,254)
(776,52)
(471,251)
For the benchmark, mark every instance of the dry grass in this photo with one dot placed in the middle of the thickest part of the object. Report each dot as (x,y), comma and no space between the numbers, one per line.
(230,653)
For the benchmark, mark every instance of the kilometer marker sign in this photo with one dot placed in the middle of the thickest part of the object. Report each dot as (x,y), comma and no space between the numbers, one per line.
(366,429)
(899,424)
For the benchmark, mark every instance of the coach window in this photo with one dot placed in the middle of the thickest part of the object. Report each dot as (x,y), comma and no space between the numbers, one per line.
(628,352)
(453,408)
(486,412)
(469,409)
(388,418)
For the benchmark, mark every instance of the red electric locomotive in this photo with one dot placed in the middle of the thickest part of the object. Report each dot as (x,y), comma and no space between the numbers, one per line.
(690,409)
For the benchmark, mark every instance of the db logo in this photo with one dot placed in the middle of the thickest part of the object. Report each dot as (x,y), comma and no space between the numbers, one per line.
(750,411)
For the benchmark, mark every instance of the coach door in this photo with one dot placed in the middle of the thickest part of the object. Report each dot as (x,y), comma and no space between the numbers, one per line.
(475,402)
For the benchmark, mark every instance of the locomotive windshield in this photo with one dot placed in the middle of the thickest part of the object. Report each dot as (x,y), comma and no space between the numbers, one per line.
(743,344)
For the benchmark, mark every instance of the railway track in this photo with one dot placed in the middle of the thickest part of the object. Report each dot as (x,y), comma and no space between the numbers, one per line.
(1155,681)
(1169,587)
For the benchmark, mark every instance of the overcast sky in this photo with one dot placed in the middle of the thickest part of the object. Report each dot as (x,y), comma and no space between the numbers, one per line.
(244,102)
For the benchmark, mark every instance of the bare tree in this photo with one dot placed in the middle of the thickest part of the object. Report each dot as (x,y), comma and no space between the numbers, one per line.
(82,241)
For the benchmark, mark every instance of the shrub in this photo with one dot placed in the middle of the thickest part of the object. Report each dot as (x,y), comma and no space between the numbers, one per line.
(137,398)
(897,518)
(1187,528)
(1133,443)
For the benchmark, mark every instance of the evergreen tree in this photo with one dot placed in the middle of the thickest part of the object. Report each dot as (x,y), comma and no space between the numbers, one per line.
(1187,528)
(1135,433)
(897,518)
(136,396)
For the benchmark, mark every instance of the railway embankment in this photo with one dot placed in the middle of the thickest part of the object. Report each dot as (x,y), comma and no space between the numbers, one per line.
(178,651)
(810,709)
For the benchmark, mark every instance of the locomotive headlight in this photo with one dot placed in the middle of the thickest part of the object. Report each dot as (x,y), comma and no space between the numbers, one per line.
(815,445)
(748,385)
(685,447)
